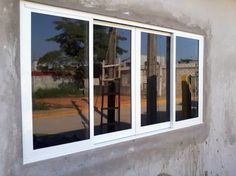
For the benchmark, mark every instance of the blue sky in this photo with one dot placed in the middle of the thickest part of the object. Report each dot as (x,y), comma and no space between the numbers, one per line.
(44,28)
(39,35)
(186,48)
(161,44)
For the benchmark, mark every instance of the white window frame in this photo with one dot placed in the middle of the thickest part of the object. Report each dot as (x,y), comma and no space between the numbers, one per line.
(128,132)
(158,126)
(199,119)
(29,154)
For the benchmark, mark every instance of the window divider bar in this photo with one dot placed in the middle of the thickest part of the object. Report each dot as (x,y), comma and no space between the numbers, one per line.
(138,79)
(133,80)
(173,81)
(91,88)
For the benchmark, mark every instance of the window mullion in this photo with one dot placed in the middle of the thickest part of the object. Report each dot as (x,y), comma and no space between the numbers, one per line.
(173,81)
(137,79)
(134,81)
(91,87)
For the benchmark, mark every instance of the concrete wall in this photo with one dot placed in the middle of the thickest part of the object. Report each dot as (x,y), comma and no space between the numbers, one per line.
(48,82)
(207,149)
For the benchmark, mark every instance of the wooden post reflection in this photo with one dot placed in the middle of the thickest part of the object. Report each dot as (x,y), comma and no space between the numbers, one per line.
(151,79)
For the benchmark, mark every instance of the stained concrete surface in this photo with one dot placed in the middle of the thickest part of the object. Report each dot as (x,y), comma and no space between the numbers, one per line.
(207,149)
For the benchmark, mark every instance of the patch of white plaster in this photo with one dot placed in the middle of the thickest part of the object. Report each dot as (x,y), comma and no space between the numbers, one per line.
(126,13)
(131,149)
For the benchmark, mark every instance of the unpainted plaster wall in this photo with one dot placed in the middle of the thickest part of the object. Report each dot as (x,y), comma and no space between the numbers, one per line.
(207,149)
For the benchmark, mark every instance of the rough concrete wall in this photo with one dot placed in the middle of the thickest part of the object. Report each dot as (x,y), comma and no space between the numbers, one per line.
(10,130)
(48,82)
(207,149)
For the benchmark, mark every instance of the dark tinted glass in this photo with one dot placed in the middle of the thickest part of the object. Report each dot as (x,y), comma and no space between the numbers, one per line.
(155,79)
(112,79)
(187,61)
(59,80)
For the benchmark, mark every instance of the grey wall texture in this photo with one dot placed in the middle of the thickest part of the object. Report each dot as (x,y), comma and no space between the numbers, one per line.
(207,149)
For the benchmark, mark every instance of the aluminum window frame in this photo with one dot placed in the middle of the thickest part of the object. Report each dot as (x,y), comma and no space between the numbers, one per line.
(151,127)
(199,119)
(29,154)
(127,132)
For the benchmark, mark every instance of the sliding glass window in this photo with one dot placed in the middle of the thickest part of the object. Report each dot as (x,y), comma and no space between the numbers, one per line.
(59,73)
(112,79)
(89,81)
(155,78)
(187,78)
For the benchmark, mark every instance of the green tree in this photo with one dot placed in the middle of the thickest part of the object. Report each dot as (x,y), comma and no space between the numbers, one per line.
(72,57)
(103,45)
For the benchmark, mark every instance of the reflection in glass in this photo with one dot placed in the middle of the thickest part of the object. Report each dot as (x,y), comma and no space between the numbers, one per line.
(187,61)
(112,79)
(155,78)
(59,80)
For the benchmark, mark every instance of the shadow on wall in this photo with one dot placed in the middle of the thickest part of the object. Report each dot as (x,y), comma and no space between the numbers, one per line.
(163,174)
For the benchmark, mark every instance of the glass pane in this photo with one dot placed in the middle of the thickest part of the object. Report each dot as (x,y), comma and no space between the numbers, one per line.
(112,79)
(187,61)
(155,79)
(59,80)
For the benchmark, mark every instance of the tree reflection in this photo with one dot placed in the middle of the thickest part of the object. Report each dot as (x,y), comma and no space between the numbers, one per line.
(72,57)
